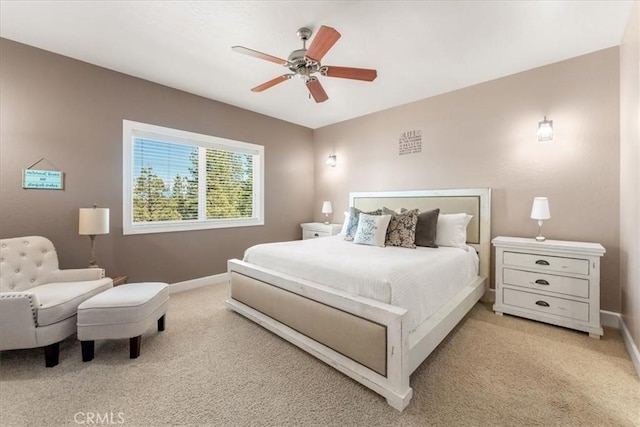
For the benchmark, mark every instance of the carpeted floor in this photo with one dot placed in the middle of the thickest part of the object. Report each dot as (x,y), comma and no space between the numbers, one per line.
(213,367)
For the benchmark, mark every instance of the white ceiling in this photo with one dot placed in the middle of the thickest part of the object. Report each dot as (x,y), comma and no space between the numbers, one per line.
(420,49)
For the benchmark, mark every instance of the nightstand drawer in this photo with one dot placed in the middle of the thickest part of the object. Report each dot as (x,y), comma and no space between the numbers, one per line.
(545,304)
(313,230)
(547,282)
(312,234)
(545,262)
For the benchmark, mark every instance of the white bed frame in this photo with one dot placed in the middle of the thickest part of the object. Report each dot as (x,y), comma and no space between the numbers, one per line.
(405,350)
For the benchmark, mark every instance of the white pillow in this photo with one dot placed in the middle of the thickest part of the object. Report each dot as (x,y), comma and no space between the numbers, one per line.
(452,230)
(372,229)
(345,224)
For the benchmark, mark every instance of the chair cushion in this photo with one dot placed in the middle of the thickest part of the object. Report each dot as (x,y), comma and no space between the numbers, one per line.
(123,304)
(58,301)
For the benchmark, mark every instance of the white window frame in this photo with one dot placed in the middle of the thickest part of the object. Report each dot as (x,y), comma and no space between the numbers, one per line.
(131,130)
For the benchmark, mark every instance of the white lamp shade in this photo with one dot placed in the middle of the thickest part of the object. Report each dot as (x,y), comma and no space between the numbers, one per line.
(540,208)
(93,221)
(326,208)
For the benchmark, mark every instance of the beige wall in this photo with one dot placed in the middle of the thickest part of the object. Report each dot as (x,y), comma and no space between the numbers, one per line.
(485,136)
(629,174)
(70,113)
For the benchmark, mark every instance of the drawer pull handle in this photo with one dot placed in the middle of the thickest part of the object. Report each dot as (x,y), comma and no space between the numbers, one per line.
(542,282)
(542,303)
(542,262)
(316,234)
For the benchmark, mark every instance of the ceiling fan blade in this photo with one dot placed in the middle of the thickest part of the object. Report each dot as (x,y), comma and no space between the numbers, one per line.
(260,55)
(349,73)
(316,90)
(271,83)
(322,42)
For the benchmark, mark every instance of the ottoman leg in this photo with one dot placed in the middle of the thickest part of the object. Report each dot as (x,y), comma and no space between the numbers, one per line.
(134,347)
(161,323)
(87,350)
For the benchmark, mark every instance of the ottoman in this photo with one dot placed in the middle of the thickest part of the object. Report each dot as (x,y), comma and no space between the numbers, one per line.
(125,311)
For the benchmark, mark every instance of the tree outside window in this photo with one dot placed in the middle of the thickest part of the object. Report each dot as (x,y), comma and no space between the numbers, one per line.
(174,181)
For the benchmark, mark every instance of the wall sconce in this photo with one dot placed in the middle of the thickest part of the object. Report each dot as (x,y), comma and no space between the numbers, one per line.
(540,211)
(326,210)
(331,161)
(93,221)
(545,130)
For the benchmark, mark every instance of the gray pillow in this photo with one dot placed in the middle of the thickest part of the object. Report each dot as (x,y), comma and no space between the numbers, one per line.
(426,228)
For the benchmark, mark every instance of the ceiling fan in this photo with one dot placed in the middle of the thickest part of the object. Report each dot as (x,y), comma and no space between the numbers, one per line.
(304,63)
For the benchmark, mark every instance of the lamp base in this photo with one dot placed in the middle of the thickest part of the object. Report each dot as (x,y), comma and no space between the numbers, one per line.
(539,237)
(92,263)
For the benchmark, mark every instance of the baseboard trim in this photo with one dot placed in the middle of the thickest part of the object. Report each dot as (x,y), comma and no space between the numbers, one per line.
(610,319)
(489,296)
(216,279)
(632,348)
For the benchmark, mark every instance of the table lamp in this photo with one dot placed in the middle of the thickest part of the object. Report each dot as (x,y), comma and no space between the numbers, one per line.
(93,221)
(326,210)
(540,211)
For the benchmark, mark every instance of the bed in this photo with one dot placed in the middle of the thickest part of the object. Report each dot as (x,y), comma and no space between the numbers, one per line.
(374,332)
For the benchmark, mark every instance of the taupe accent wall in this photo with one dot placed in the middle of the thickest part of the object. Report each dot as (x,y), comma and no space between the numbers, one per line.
(485,136)
(71,113)
(630,175)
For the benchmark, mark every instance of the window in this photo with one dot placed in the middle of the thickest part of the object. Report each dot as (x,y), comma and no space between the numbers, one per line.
(176,180)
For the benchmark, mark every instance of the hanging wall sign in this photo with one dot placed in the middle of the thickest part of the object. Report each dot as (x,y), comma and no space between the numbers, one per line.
(42,179)
(410,142)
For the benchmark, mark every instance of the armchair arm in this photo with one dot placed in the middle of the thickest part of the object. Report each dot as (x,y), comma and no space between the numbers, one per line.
(18,318)
(78,274)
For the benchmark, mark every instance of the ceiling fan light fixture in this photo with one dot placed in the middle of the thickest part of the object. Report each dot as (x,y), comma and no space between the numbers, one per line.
(304,63)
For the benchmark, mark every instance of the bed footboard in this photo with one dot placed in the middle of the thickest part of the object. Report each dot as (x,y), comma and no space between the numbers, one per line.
(354,337)
(362,338)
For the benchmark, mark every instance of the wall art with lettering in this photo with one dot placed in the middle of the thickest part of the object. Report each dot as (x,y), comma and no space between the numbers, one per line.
(410,142)
(42,179)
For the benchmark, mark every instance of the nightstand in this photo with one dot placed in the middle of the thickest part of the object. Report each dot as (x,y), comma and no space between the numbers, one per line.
(553,281)
(312,230)
(120,280)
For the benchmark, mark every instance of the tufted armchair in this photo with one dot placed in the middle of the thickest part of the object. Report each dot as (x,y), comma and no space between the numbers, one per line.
(38,301)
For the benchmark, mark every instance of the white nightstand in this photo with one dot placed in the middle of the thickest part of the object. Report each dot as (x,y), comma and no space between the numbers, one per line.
(311,230)
(553,281)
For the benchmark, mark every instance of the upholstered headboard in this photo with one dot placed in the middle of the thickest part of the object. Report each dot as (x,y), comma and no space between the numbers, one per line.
(473,201)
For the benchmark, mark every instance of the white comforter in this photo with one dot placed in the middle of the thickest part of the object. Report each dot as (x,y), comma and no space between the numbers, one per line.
(420,280)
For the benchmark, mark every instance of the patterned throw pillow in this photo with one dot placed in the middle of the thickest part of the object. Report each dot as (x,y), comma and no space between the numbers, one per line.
(402,228)
(352,226)
(372,229)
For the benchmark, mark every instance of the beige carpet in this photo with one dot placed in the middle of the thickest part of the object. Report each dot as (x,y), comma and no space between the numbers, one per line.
(213,367)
